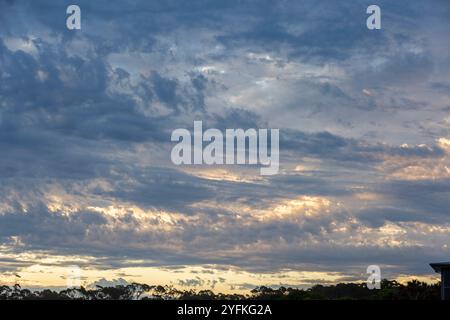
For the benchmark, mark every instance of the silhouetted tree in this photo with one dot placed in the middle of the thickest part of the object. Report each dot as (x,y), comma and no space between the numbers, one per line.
(390,290)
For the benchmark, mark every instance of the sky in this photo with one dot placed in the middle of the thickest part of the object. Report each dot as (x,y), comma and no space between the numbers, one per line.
(86,116)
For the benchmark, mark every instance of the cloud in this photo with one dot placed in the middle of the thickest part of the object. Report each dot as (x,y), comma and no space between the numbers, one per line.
(110,283)
(86,119)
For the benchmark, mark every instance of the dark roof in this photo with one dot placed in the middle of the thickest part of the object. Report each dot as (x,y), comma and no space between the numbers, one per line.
(438,266)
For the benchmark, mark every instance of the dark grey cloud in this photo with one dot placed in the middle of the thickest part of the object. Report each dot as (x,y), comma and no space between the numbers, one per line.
(419,201)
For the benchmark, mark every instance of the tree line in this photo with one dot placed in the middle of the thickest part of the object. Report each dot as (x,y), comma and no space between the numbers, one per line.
(390,290)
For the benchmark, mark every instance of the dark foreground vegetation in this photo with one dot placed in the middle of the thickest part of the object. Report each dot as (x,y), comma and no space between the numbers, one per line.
(390,290)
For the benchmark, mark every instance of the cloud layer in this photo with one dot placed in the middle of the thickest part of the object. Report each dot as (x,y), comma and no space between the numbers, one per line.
(86,118)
